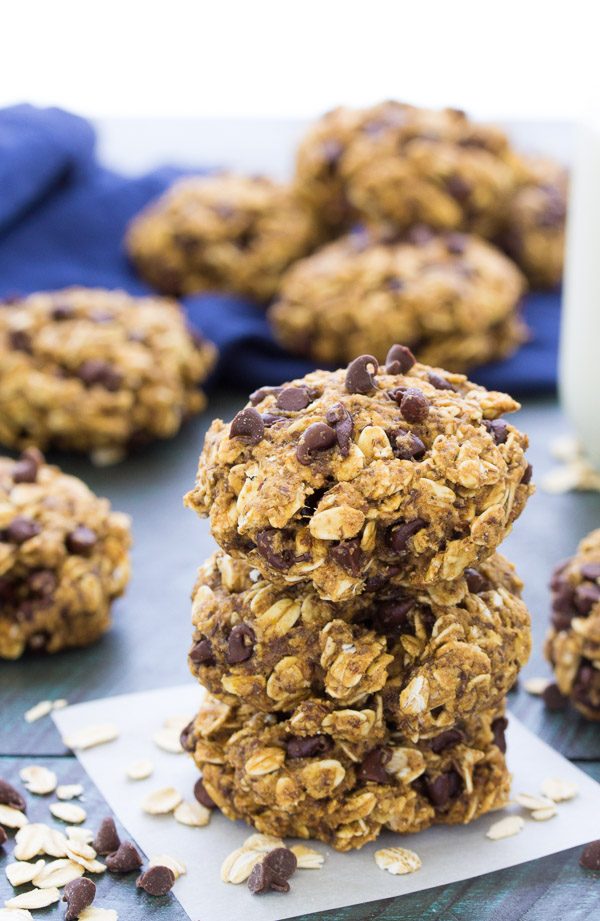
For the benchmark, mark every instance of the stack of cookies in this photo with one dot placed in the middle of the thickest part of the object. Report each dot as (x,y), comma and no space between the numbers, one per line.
(356,632)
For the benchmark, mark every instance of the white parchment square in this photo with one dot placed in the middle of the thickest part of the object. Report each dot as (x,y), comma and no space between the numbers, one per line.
(449,854)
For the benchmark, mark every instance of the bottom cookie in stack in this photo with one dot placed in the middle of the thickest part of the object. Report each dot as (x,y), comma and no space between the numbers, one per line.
(573,643)
(342,776)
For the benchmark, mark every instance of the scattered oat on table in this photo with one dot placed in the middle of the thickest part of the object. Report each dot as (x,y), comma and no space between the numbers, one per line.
(193,814)
(237,866)
(397,860)
(541,815)
(168,740)
(505,828)
(559,790)
(68,812)
(531,802)
(35,898)
(58,873)
(162,801)
(11,817)
(536,686)
(140,770)
(69,791)
(308,859)
(22,872)
(38,780)
(90,736)
(176,866)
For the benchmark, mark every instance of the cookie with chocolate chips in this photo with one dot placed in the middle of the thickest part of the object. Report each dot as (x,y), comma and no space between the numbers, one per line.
(221,233)
(343,776)
(64,558)
(436,655)
(97,371)
(573,642)
(395,471)
(453,298)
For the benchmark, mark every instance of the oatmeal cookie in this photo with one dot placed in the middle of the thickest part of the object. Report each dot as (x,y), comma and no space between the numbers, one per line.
(399,164)
(342,776)
(362,474)
(63,558)
(97,371)
(534,229)
(221,233)
(573,643)
(436,655)
(447,295)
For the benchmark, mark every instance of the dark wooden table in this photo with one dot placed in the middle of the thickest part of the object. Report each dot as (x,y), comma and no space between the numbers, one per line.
(148,644)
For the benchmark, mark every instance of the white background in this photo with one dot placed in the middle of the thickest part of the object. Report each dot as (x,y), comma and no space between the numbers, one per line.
(496,58)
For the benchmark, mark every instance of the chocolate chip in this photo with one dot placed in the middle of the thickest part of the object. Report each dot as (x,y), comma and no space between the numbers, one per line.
(293,399)
(445,740)
(395,284)
(349,555)
(81,541)
(391,617)
(439,382)
(247,425)
(95,372)
(526,478)
(308,746)
(458,187)
(443,788)
(401,534)
(341,420)
(406,445)
(270,419)
(281,861)
(563,598)
(156,881)
(372,767)
(318,437)
(586,597)
(590,856)
(187,737)
(107,840)
(456,243)
(498,429)
(262,879)
(125,859)
(202,796)
(201,653)
(360,376)
(240,644)
(420,235)
(266,541)
(22,529)
(399,360)
(20,341)
(42,582)
(584,679)
(553,698)
(331,151)
(257,396)
(79,895)
(498,729)
(476,582)
(590,571)
(62,312)
(414,405)
(26,468)
(11,797)
(3,837)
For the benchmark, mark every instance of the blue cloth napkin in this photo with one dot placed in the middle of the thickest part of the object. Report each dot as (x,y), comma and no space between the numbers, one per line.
(62,220)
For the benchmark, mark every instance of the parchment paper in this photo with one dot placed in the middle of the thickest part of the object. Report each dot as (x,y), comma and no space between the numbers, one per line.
(449,854)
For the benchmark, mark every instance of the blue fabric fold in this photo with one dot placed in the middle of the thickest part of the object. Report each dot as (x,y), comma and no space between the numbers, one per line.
(62,220)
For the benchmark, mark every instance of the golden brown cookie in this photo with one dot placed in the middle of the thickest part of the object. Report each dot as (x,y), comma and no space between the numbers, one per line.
(63,558)
(342,776)
(437,655)
(451,297)
(403,165)
(365,473)
(573,643)
(97,371)
(221,233)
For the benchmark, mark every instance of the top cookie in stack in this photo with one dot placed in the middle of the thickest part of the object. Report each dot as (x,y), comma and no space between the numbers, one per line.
(369,475)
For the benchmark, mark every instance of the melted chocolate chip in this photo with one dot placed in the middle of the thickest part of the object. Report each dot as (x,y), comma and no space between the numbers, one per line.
(266,542)
(498,729)
(414,405)
(20,341)
(526,478)
(443,788)
(400,535)
(391,617)
(81,541)
(445,740)
(420,235)
(22,529)
(318,437)
(240,644)
(341,420)
(476,582)
(553,698)
(156,881)
(42,582)
(399,360)
(498,429)
(586,596)
(248,426)
(293,399)
(27,467)
(360,376)
(406,445)
(95,372)
(308,746)
(349,555)
(79,895)
(372,767)
(187,737)
(456,243)
(62,312)
(458,187)
(201,653)
(257,396)
(270,419)
(439,382)
(202,796)
(590,571)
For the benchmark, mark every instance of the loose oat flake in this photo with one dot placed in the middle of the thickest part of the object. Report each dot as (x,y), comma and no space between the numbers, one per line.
(140,770)
(58,873)
(559,790)
(541,815)
(505,828)
(77,833)
(98,914)
(536,686)
(264,843)
(162,801)
(193,814)
(12,818)
(68,812)
(168,740)
(238,866)
(397,860)
(38,780)
(31,841)
(90,736)
(36,898)
(308,859)
(21,872)
(15,914)
(176,866)
(533,803)
(69,791)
